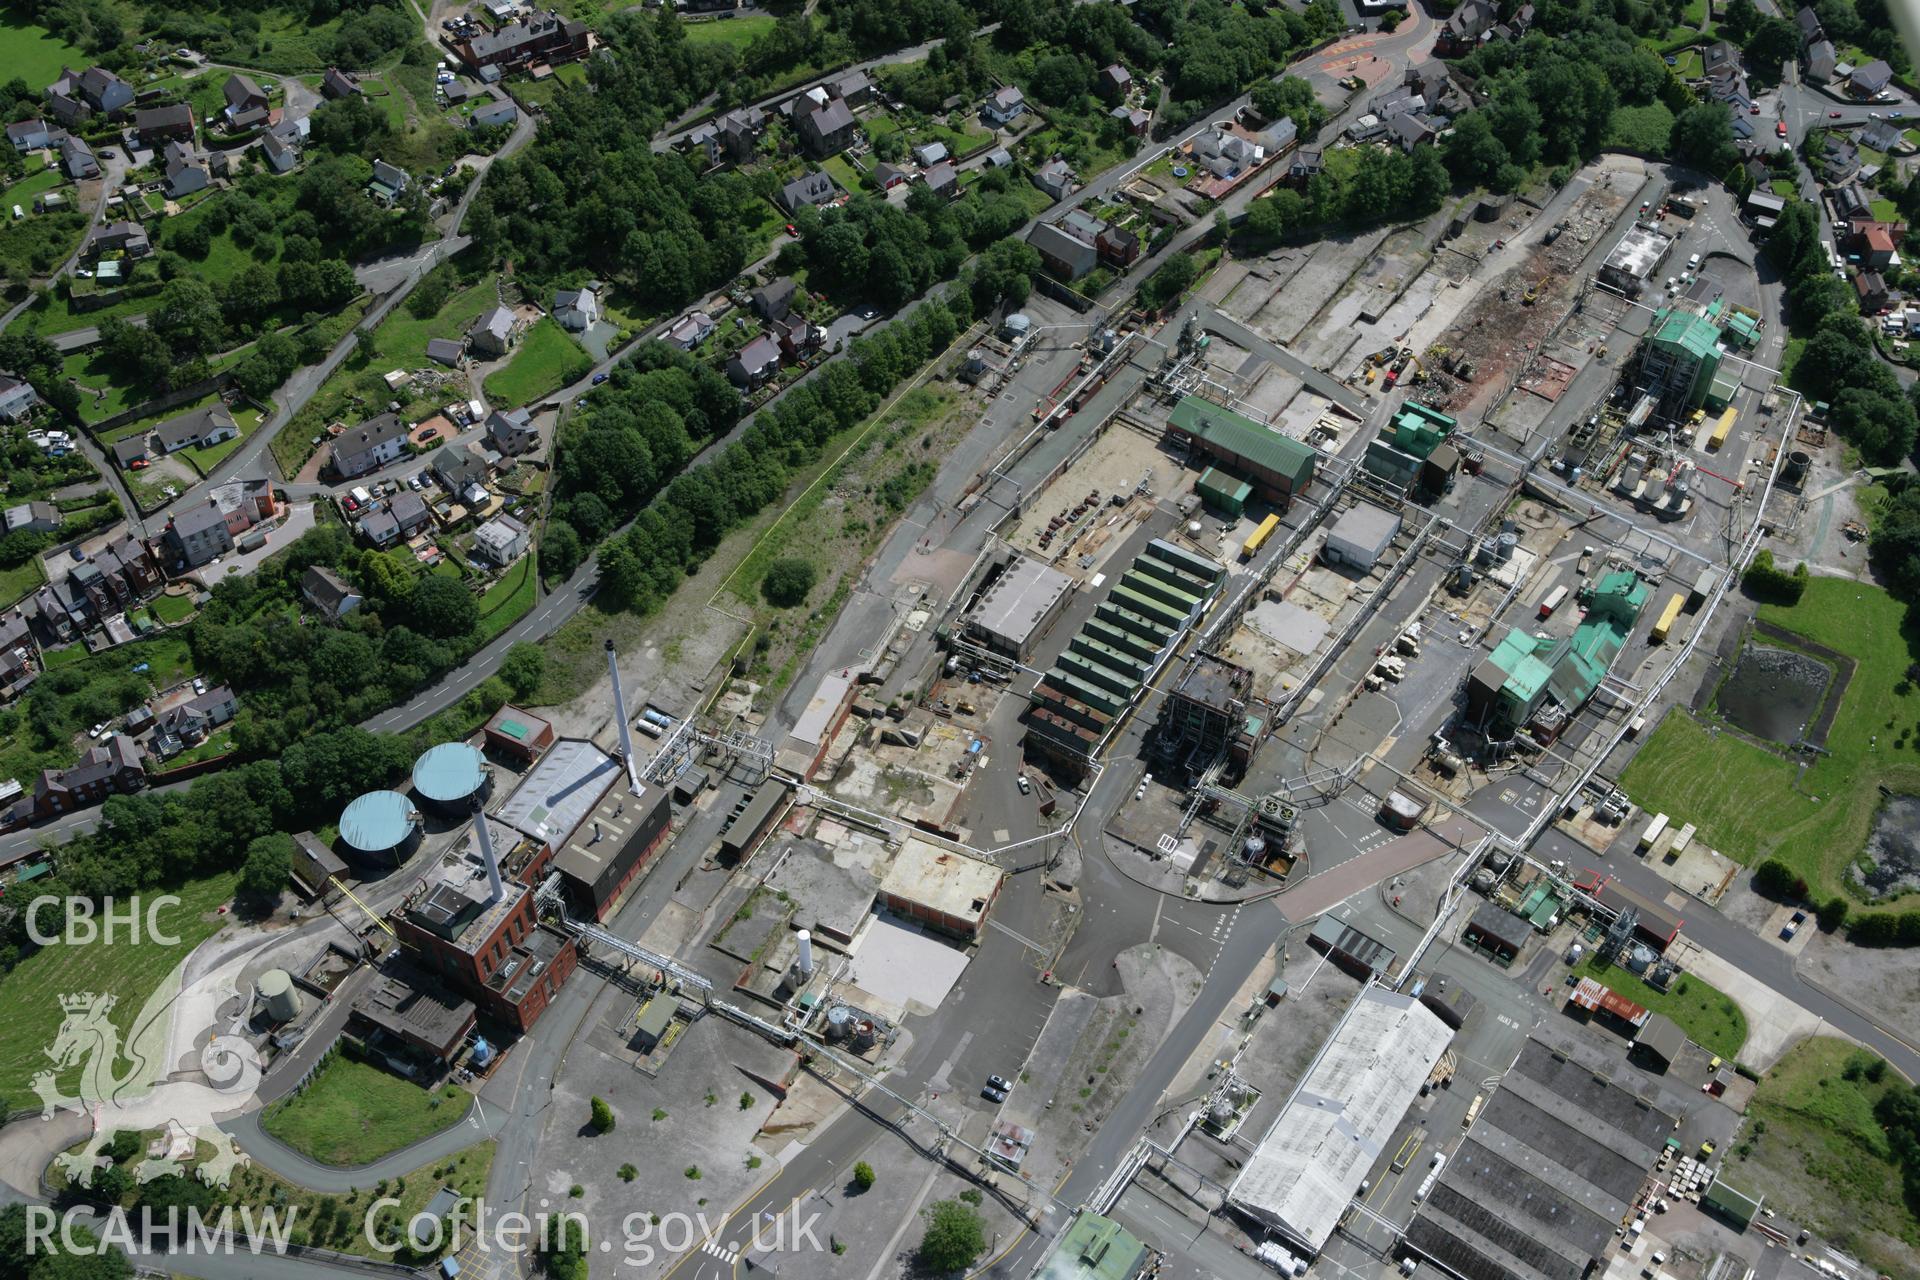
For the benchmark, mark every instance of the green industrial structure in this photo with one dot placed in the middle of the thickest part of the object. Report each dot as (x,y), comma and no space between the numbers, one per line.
(1223,491)
(1103,666)
(1681,362)
(1277,465)
(1095,1248)
(1410,444)
(1539,684)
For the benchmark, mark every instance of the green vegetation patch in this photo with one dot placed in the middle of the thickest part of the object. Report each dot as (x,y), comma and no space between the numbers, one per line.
(1708,1015)
(1645,129)
(34,54)
(353,1113)
(546,359)
(736,33)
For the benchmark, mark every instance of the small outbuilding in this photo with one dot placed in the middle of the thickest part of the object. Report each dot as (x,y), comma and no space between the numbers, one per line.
(1360,537)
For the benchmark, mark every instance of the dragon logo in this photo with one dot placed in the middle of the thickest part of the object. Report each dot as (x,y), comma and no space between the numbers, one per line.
(183,1065)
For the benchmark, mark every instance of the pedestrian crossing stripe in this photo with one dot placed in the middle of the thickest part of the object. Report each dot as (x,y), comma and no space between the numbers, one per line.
(724,1254)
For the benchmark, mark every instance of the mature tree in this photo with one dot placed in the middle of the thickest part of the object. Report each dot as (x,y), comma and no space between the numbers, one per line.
(1473,154)
(1703,137)
(600,1115)
(1771,43)
(560,548)
(787,582)
(523,667)
(1794,243)
(955,1237)
(269,861)
(443,607)
(188,316)
(1164,287)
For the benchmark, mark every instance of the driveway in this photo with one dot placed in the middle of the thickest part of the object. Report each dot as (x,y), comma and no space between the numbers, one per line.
(299,520)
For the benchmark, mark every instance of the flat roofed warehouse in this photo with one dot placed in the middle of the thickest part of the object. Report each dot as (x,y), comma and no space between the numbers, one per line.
(1544,1177)
(1310,1164)
(1016,610)
(559,791)
(946,890)
(414,1009)
(1635,258)
(610,846)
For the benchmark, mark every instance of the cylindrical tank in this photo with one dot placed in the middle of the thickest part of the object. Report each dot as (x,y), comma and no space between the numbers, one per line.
(839,1021)
(1193,528)
(805,959)
(1256,846)
(1221,1113)
(1483,881)
(380,826)
(482,1053)
(863,1035)
(1508,541)
(281,996)
(1796,469)
(449,777)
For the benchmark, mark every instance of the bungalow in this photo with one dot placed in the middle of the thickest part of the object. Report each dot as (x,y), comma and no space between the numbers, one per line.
(114,767)
(1055,177)
(388,182)
(247,102)
(577,310)
(77,158)
(693,329)
(511,431)
(773,301)
(1871,80)
(828,130)
(1822,58)
(157,125)
(125,237)
(460,472)
(754,363)
(498,112)
(372,444)
(808,189)
(339,84)
(501,540)
(446,351)
(1115,81)
(1063,254)
(492,333)
(31,517)
(328,592)
(186,173)
(196,429)
(890,176)
(942,179)
(17,398)
(1004,106)
(183,725)
(29,135)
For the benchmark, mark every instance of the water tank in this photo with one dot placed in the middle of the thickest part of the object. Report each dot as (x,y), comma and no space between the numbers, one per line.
(379,825)
(482,1053)
(282,998)
(1483,881)
(1193,528)
(1508,541)
(839,1022)
(1221,1113)
(450,777)
(863,1035)
(1796,469)
(1498,861)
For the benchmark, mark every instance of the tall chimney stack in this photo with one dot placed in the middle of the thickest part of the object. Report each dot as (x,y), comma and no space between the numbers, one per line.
(494,886)
(805,961)
(626,730)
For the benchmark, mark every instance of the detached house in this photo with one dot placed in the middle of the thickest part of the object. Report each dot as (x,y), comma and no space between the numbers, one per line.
(827,130)
(339,84)
(115,767)
(1055,177)
(180,727)
(29,135)
(577,309)
(329,593)
(76,157)
(158,125)
(1115,81)
(195,536)
(1005,105)
(185,173)
(1064,255)
(1464,28)
(754,363)
(693,329)
(501,540)
(511,431)
(129,238)
(773,301)
(73,96)
(196,429)
(808,189)
(492,334)
(17,398)
(247,102)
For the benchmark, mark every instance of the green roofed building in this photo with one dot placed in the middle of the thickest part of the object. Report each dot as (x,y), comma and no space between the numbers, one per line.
(1419,430)
(1095,1248)
(1527,679)
(1680,360)
(1277,465)
(1223,492)
(1732,1205)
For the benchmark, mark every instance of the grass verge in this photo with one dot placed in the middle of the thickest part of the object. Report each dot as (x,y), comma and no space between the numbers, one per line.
(1708,1015)
(352,1113)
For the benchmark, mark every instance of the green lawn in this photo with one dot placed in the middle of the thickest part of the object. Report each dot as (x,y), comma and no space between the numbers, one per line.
(736,33)
(30,995)
(1690,67)
(1814,1144)
(1786,188)
(1709,1017)
(35,54)
(1745,800)
(1885,210)
(22,578)
(508,600)
(22,192)
(170,609)
(353,1113)
(545,360)
(205,460)
(849,178)
(1640,128)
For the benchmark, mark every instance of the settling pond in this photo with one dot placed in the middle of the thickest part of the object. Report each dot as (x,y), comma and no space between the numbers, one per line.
(1893,849)
(1774,693)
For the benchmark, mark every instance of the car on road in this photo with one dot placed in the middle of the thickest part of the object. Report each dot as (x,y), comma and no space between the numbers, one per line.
(1833,115)
(97,730)
(1896,115)
(1022,783)
(992,1094)
(1792,926)
(599,378)
(1001,1083)
(1753,109)
(414,481)
(1780,128)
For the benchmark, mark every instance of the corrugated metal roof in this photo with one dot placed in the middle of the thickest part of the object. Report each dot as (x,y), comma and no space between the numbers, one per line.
(1242,437)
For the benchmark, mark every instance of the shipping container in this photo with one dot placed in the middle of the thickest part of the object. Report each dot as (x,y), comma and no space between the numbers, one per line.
(1258,537)
(1667,615)
(1553,601)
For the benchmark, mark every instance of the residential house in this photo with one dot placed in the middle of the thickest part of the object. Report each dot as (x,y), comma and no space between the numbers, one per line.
(1115,82)
(369,446)
(890,176)
(280,153)
(492,333)
(410,512)
(1464,28)
(1134,120)
(1224,154)
(196,429)
(246,503)
(500,111)
(1118,246)
(1518,25)
(63,609)
(1410,130)
(1306,165)
(114,578)
(942,179)
(542,38)
(1881,135)
(76,157)
(511,431)
(1839,160)
(1871,80)
(462,472)
(1064,255)
(1872,288)
(195,536)
(773,301)
(329,593)
(1822,58)
(693,329)
(29,135)
(1055,177)
(999,158)
(1874,242)
(855,89)
(188,723)
(186,173)
(17,398)
(388,183)
(501,540)
(1849,202)
(247,102)
(104,91)
(115,767)
(157,125)
(129,238)
(220,164)
(1811,32)
(740,132)
(807,189)
(798,339)
(577,310)
(339,84)
(930,153)
(379,528)
(1003,106)
(1719,59)
(754,363)
(447,351)
(31,517)
(828,130)
(19,653)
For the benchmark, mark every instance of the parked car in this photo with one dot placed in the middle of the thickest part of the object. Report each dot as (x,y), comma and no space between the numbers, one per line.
(1780,128)
(599,378)
(1022,783)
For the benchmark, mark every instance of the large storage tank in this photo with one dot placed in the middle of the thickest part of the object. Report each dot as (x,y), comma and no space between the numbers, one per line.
(450,778)
(282,998)
(380,826)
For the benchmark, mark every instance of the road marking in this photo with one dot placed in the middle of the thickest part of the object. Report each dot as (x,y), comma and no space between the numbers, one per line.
(1020,938)
(724,1254)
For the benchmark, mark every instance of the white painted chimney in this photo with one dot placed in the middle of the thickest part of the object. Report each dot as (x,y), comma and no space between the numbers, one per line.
(620,713)
(805,963)
(494,886)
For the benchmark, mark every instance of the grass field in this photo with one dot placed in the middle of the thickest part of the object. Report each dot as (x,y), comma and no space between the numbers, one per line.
(545,359)
(18,580)
(1816,1146)
(1745,800)
(507,601)
(33,53)
(1640,128)
(353,1113)
(30,995)
(1709,1017)
(736,33)
(171,609)
(849,178)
